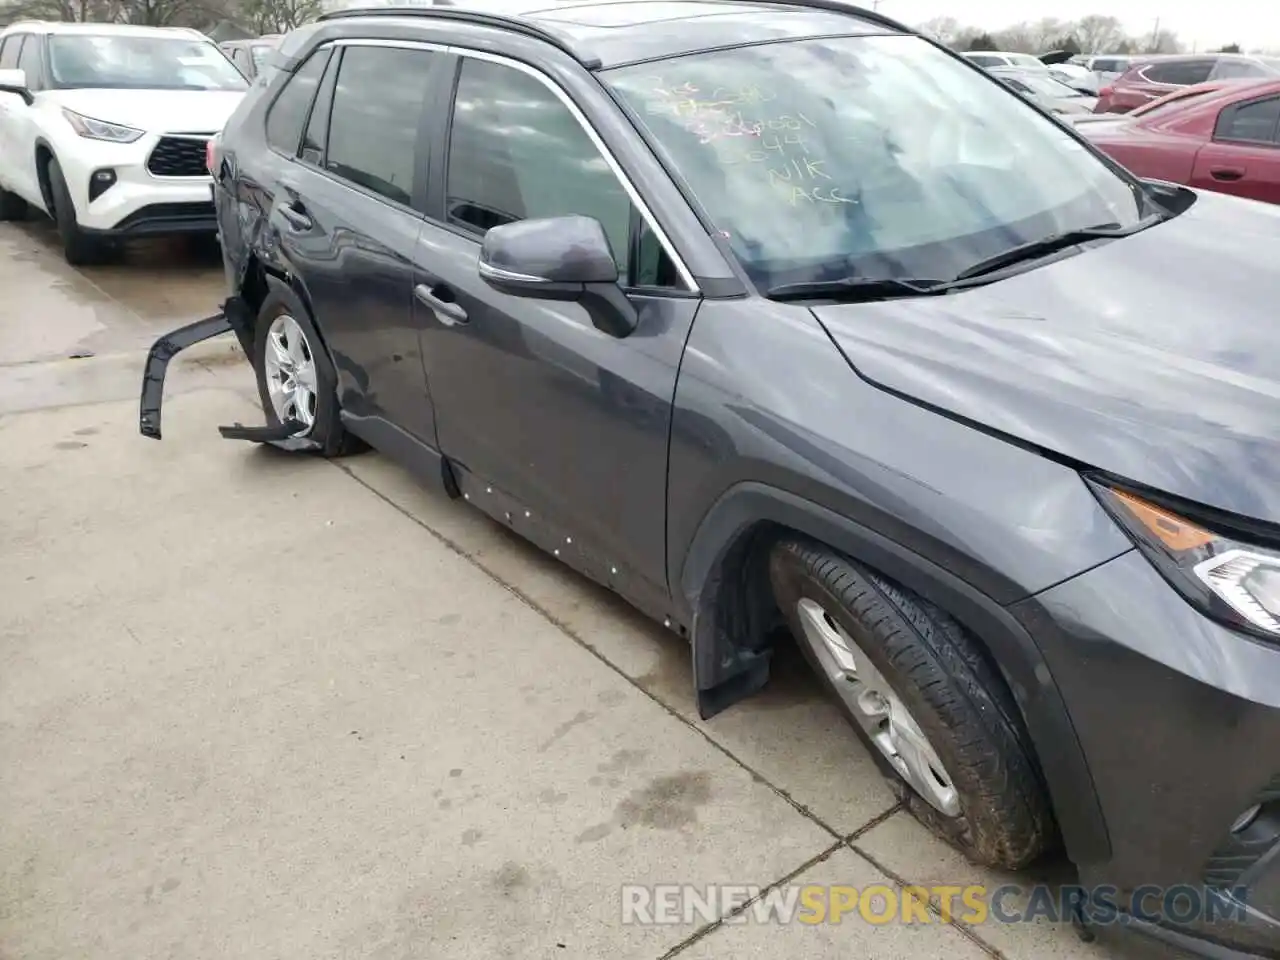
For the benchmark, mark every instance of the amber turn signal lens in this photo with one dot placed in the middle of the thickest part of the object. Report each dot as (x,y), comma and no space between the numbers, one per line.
(1170,529)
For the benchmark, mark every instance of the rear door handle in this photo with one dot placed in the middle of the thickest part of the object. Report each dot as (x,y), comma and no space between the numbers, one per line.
(295,217)
(1226,173)
(447,311)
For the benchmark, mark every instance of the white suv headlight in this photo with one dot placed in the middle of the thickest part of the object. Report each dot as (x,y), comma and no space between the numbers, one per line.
(100,129)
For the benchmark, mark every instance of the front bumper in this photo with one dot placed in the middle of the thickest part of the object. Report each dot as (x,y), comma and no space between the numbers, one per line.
(136,202)
(1180,721)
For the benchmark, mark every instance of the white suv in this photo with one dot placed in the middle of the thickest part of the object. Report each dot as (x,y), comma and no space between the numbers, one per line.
(104,127)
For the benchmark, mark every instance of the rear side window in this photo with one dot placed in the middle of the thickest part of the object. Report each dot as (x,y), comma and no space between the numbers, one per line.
(985,61)
(1182,73)
(1109,66)
(373,127)
(9,55)
(288,113)
(1234,69)
(1255,122)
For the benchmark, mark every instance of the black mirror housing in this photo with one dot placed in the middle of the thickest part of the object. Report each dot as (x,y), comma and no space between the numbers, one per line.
(559,258)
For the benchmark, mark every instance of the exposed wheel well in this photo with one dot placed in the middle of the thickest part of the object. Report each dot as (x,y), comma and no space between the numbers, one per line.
(43,156)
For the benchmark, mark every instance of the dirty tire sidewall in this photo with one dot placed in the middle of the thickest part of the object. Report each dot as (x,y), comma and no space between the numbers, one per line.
(326,432)
(79,248)
(958,699)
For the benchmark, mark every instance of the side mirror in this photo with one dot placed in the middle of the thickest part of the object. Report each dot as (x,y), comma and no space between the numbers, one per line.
(559,258)
(15,81)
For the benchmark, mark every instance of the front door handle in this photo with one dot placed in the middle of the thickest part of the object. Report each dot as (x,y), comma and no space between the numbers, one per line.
(447,312)
(1228,174)
(296,218)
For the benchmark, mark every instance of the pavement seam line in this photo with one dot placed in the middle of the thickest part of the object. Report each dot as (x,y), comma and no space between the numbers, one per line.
(964,929)
(568,631)
(715,925)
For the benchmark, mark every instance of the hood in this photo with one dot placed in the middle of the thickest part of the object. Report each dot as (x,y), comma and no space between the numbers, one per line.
(1152,357)
(1076,106)
(156,111)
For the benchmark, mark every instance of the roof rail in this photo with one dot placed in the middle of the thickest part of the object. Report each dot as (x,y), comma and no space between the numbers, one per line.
(445,11)
(838,6)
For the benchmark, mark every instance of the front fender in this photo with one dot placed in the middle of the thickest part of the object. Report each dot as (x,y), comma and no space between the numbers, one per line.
(723,672)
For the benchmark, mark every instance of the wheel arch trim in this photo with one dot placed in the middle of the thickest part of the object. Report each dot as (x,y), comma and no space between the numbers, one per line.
(724,673)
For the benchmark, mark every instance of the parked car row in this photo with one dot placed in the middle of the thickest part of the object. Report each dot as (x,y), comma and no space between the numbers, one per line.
(1150,79)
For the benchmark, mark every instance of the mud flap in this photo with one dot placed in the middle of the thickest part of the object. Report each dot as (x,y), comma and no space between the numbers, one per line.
(281,435)
(162,351)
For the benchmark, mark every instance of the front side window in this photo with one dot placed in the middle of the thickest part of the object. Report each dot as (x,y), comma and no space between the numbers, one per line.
(1238,69)
(29,62)
(373,127)
(125,62)
(983,60)
(516,152)
(288,112)
(1251,122)
(9,55)
(919,168)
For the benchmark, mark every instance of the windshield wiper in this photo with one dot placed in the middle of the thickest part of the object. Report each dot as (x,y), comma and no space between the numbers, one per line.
(858,289)
(1051,244)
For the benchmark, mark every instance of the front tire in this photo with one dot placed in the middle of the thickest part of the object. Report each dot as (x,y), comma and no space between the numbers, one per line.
(80,248)
(936,716)
(296,381)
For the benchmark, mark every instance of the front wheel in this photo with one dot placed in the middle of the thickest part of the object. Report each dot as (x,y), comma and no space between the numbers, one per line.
(296,381)
(80,249)
(936,716)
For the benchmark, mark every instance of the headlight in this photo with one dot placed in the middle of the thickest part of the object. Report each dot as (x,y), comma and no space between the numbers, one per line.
(1232,581)
(100,129)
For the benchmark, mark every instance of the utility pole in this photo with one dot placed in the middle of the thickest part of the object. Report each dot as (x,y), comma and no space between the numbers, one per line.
(1155,37)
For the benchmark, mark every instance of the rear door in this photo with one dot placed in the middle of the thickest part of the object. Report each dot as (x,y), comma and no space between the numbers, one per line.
(11,109)
(1244,156)
(348,210)
(555,426)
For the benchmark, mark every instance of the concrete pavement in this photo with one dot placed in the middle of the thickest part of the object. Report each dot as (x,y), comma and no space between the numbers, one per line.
(261,706)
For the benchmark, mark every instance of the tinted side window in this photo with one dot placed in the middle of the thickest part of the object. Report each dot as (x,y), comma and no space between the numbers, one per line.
(29,62)
(317,134)
(1107,66)
(516,152)
(1255,122)
(1184,73)
(984,61)
(289,110)
(9,55)
(373,128)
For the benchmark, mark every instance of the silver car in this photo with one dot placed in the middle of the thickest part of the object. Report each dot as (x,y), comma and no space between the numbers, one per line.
(1042,89)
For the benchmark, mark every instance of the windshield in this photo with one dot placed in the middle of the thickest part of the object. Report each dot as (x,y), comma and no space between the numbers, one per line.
(120,61)
(260,52)
(875,156)
(1026,61)
(1171,100)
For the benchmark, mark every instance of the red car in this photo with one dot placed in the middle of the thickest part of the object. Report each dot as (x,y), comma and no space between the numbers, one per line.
(1227,140)
(1154,77)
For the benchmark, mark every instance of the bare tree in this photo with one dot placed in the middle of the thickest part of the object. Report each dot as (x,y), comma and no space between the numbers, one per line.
(1162,41)
(278,16)
(1099,34)
(1045,33)
(1019,38)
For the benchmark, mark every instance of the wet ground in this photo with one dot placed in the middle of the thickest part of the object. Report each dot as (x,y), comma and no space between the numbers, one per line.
(262,706)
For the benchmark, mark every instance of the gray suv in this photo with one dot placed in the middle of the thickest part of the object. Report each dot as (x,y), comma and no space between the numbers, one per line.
(781,320)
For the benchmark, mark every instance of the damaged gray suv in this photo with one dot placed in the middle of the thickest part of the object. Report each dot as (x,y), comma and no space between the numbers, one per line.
(779,318)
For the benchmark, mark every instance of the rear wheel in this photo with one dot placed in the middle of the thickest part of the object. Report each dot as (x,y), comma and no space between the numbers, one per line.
(81,249)
(295,379)
(936,716)
(12,207)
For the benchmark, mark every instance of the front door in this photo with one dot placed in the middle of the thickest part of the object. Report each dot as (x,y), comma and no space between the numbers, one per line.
(348,215)
(560,428)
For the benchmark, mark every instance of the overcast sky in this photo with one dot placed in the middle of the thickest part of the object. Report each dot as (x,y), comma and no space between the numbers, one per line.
(1250,23)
